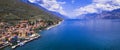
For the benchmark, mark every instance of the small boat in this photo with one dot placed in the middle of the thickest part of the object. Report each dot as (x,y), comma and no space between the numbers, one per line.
(13,47)
(21,44)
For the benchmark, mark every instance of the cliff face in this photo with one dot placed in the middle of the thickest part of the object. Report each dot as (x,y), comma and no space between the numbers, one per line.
(16,10)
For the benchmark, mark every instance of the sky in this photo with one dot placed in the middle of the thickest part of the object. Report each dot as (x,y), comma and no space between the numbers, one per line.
(75,8)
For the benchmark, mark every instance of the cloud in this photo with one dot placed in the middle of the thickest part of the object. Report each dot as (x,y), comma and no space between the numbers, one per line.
(51,5)
(32,1)
(97,6)
(73,1)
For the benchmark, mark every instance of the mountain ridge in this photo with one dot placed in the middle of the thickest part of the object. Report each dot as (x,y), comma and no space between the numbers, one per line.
(18,10)
(114,14)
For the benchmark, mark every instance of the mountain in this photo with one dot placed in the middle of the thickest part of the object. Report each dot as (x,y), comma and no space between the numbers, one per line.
(55,13)
(115,14)
(16,10)
(59,15)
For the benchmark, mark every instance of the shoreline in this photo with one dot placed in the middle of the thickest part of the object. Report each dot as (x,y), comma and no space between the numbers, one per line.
(54,25)
(38,35)
(29,39)
(35,36)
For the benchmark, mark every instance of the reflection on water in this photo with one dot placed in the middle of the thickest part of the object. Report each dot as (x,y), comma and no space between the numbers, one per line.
(79,35)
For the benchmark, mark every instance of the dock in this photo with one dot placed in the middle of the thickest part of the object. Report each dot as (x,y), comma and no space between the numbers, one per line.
(32,37)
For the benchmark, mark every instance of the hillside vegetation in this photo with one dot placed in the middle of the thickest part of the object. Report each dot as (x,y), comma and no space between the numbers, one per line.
(16,10)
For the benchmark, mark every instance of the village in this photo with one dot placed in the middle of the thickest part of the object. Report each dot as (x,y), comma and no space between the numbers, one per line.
(24,31)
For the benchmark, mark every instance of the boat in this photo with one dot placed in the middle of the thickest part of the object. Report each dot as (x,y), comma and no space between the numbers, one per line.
(14,46)
(21,43)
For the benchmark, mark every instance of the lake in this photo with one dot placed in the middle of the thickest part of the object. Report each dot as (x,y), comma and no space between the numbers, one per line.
(78,35)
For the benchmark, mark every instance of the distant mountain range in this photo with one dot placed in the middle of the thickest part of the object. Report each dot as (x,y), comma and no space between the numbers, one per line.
(115,14)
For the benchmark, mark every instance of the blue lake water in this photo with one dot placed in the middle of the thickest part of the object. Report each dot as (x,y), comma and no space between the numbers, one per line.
(78,35)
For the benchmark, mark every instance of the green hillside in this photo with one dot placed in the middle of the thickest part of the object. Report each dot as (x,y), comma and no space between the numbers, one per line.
(16,10)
